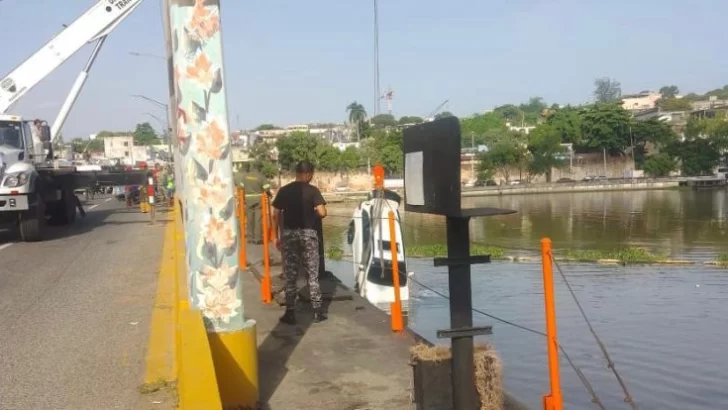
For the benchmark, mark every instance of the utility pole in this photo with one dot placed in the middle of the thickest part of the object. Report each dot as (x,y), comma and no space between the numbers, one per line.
(172,105)
(376,59)
(205,147)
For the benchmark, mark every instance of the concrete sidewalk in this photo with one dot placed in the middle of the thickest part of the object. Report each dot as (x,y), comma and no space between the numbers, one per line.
(351,361)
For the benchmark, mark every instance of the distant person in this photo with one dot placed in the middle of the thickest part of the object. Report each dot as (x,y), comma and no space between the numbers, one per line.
(299,205)
(170,189)
(255,184)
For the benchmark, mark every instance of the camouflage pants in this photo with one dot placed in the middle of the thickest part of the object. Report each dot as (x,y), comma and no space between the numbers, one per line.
(300,250)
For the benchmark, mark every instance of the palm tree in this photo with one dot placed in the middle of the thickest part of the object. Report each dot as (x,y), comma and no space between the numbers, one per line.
(357,115)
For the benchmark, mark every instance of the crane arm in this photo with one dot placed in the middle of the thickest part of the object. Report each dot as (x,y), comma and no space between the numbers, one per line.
(437,110)
(94,24)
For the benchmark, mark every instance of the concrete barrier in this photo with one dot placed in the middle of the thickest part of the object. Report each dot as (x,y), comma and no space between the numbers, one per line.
(179,349)
(197,386)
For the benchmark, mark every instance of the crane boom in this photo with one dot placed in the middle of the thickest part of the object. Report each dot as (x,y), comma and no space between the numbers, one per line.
(94,24)
(434,112)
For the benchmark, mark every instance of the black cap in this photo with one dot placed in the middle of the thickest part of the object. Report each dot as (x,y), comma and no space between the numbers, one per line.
(304,167)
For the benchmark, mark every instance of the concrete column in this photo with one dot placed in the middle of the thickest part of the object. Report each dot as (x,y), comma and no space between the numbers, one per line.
(211,228)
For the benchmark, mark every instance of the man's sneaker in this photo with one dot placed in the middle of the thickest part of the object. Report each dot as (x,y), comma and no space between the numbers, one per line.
(289,317)
(319,316)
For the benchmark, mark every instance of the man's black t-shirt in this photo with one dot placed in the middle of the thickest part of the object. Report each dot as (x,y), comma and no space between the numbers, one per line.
(297,201)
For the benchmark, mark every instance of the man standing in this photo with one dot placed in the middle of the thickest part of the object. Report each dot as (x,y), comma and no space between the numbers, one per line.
(299,205)
(255,184)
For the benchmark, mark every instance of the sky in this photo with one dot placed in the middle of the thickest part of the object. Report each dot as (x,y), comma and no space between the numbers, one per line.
(291,62)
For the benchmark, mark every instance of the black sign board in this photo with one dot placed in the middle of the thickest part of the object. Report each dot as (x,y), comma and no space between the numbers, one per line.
(432,154)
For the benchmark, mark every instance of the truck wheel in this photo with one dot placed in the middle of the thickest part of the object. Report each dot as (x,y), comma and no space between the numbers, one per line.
(63,212)
(32,223)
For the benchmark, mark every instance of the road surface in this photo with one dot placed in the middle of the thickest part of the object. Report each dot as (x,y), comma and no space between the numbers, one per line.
(75,312)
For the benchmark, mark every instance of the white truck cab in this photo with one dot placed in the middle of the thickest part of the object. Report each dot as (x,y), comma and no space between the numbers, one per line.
(20,150)
(27,196)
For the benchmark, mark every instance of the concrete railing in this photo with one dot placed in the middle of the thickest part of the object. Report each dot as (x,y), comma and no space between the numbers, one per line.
(197,386)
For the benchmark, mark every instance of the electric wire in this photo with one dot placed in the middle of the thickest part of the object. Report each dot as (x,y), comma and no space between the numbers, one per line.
(602,347)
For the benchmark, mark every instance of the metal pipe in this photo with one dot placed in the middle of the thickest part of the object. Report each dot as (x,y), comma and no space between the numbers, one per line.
(464,396)
(75,91)
(552,401)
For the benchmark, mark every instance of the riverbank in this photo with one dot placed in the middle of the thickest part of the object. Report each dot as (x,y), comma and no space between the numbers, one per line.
(573,187)
(550,188)
(623,256)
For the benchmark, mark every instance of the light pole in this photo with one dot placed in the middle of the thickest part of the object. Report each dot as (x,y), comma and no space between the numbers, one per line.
(137,54)
(166,110)
(167,136)
(172,107)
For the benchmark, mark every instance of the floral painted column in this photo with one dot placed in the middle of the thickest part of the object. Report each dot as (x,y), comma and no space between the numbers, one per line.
(211,227)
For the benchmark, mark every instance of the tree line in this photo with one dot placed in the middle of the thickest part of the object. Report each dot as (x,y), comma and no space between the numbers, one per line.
(600,126)
(144,134)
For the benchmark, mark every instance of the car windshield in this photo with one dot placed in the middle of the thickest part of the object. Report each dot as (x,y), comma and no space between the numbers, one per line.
(10,134)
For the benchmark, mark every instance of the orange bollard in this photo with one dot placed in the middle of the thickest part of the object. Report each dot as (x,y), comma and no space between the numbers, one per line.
(551,401)
(378,173)
(396,306)
(265,283)
(242,257)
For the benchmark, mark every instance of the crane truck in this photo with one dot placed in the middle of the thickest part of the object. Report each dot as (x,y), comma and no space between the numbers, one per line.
(34,187)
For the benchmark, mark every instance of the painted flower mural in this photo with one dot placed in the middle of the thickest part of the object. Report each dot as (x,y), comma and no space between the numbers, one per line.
(204,142)
(211,140)
(220,232)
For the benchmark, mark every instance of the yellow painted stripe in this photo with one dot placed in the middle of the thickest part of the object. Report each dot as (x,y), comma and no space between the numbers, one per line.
(160,360)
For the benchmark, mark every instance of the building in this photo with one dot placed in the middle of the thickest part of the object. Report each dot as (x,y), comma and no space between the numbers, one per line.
(525,129)
(712,103)
(642,101)
(120,147)
(342,146)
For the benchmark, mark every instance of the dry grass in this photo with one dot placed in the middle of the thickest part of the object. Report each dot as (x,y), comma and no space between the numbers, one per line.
(488,374)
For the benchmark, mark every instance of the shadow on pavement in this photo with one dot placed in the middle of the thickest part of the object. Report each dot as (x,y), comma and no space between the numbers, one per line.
(277,348)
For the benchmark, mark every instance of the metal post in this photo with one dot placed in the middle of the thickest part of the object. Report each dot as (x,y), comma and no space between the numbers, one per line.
(75,91)
(172,106)
(243,257)
(396,306)
(265,283)
(551,401)
(211,229)
(464,396)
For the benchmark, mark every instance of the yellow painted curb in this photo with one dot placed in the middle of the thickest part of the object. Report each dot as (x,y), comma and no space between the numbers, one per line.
(197,384)
(160,359)
(235,355)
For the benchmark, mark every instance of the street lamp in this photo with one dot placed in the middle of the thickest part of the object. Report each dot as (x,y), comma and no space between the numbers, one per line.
(166,109)
(137,54)
(152,100)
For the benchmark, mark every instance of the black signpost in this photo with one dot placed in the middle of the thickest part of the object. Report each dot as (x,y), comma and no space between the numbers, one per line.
(432,185)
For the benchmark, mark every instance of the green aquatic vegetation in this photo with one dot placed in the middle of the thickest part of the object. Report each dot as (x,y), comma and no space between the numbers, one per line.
(334,253)
(723,259)
(624,255)
(440,250)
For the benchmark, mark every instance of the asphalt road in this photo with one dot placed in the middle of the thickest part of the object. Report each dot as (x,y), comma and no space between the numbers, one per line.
(75,312)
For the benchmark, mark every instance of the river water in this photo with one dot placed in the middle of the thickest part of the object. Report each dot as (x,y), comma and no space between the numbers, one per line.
(665,327)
